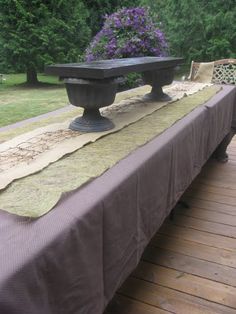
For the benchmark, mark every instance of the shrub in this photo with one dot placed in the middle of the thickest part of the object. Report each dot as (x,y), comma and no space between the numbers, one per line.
(127,33)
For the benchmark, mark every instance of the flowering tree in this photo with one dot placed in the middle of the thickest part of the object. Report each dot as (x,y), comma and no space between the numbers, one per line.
(127,33)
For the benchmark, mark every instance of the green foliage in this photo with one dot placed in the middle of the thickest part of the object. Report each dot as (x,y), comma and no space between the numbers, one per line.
(197,29)
(131,80)
(37,32)
(99,8)
(220,31)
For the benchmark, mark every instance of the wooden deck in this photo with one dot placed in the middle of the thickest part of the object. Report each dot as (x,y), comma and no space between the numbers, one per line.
(190,265)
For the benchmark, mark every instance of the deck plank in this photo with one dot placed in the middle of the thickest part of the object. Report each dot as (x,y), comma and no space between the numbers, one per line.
(191,265)
(170,299)
(183,282)
(207,226)
(198,186)
(204,214)
(216,183)
(198,250)
(193,235)
(210,205)
(209,196)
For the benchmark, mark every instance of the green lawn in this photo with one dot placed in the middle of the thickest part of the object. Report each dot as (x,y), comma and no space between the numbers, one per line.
(13,80)
(18,102)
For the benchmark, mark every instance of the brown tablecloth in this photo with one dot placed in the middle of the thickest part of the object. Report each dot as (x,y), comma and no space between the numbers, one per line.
(73,259)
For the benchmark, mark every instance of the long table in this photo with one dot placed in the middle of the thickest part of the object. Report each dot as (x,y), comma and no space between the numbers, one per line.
(73,259)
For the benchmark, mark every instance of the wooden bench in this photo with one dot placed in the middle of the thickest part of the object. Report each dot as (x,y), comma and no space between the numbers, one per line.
(93,85)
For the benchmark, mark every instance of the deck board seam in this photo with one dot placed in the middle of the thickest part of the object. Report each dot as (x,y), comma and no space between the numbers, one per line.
(181,291)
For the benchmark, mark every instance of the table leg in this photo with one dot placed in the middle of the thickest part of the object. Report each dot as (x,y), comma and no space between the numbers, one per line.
(220,152)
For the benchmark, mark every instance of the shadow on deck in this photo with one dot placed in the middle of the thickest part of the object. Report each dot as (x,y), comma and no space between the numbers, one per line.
(190,264)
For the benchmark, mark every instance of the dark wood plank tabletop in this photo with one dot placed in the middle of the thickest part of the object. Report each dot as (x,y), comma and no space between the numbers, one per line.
(111,68)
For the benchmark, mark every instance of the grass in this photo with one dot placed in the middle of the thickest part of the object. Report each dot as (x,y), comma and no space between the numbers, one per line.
(18,102)
(18,80)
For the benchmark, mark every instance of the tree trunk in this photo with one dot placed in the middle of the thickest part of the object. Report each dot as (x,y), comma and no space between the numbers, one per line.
(31,76)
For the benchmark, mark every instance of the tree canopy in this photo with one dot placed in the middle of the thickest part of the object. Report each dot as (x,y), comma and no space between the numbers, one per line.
(37,32)
(99,8)
(197,29)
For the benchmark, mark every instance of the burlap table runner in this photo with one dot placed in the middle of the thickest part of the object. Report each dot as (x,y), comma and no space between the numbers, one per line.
(35,195)
(31,152)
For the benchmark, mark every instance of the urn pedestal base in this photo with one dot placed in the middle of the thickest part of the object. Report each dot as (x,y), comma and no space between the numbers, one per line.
(91,121)
(157,79)
(156,94)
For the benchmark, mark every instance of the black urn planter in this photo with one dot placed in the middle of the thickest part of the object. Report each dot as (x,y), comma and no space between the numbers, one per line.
(91,95)
(157,79)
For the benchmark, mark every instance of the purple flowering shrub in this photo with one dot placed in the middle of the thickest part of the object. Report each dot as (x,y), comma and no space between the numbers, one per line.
(127,33)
